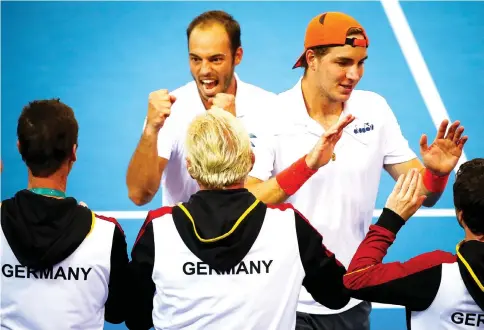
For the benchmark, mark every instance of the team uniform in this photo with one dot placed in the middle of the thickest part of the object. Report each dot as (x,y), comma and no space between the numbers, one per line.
(439,290)
(224,260)
(340,197)
(62,266)
(251,103)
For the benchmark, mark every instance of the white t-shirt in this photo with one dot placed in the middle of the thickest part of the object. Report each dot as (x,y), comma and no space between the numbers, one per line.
(250,101)
(340,198)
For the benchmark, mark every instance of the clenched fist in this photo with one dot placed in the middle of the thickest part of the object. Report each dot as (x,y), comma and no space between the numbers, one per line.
(224,101)
(159,108)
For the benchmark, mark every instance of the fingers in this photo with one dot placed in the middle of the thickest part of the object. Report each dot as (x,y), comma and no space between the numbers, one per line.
(398,185)
(336,129)
(423,143)
(348,119)
(224,101)
(458,134)
(160,103)
(412,190)
(406,182)
(417,198)
(452,129)
(442,129)
(462,141)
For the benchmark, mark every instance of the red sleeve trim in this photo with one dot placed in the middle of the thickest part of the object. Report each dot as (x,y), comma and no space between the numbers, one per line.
(286,206)
(367,270)
(152,215)
(109,219)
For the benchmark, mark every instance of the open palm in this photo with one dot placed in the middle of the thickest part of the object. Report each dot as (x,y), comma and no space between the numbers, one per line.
(444,153)
(324,148)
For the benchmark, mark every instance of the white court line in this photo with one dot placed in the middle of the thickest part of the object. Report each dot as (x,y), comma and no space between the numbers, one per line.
(385,306)
(417,65)
(141,215)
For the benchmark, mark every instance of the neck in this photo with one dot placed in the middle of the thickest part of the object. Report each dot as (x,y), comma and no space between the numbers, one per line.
(234,186)
(317,105)
(56,181)
(232,89)
(470,236)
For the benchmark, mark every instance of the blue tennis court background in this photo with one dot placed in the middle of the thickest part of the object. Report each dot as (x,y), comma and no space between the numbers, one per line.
(103,58)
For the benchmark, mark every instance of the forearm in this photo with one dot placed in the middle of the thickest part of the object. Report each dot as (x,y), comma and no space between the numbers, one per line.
(284,184)
(413,283)
(269,192)
(433,186)
(144,175)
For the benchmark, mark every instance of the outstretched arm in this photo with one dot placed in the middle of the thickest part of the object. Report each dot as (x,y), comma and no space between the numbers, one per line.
(278,189)
(413,283)
(439,159)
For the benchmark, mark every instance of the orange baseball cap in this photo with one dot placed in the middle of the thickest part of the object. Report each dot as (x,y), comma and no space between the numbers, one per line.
(330,29)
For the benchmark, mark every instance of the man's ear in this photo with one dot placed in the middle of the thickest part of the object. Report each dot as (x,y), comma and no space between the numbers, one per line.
(252,155)
(74,153)
(460,217)
(189,166)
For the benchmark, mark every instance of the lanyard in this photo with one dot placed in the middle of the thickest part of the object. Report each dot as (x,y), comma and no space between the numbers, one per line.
(48,192)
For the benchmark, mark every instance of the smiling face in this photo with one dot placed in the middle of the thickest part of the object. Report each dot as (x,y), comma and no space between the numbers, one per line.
(212,63)
(338,71)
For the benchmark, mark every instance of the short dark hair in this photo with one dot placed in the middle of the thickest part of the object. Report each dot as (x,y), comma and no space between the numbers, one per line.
(320,51)
(469,194)
(231,26)
(47,131)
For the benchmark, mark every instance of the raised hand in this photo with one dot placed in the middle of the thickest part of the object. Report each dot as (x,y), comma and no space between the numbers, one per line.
(405,198)
(224,101)
(443,154)
(324,148)
(159,108)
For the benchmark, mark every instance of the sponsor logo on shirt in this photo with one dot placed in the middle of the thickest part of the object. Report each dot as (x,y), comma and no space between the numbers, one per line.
(252,136)
(367,127)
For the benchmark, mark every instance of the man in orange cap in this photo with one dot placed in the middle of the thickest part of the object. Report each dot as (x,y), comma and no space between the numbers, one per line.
(340,197)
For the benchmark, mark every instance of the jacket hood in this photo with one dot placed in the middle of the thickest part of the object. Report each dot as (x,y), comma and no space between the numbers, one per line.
(220,226)
(470,257)
(43,231)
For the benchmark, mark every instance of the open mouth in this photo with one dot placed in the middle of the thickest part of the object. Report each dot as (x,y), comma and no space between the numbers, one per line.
(208,85)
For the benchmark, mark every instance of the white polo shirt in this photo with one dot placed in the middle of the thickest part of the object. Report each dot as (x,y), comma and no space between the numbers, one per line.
(340,198)
(250,101)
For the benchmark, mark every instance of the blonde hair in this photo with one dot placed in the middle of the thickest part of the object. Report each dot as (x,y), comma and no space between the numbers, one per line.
(218,149)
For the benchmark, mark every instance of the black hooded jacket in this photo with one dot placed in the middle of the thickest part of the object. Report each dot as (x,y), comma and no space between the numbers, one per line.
(415,283)
(43,231)
(214,213)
